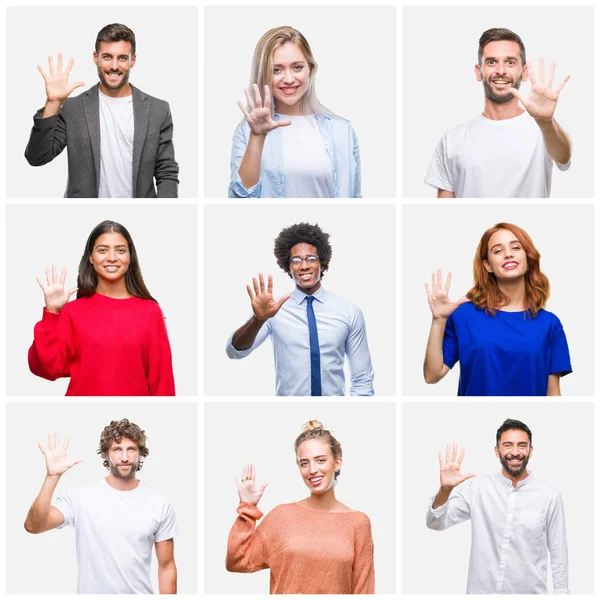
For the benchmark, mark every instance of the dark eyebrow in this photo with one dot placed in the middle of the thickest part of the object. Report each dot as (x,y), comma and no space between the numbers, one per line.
(297,62)
(505,58)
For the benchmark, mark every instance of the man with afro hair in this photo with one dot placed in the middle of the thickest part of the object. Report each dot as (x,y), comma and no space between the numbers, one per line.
(311,329)
(117,520)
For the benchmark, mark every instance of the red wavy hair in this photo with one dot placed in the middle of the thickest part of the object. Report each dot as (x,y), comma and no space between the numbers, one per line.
(487,295)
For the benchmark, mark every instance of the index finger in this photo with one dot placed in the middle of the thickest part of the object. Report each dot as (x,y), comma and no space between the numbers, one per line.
(66,441)
(448,282)
(69,66)
(270,284)
(461,456)
(63,275)
(59,63)
(267,102)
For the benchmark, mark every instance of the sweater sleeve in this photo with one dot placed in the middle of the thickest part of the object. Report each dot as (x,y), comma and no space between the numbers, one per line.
(363,571)
(52,351)
(246,548)
(160,362)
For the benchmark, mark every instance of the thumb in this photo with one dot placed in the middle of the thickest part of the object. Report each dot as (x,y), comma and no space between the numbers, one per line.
(75,85)
(516,93)
(468,476)
(462,300)
(282,300)
(282,124)
(76,462)
(263,487)
(71,292)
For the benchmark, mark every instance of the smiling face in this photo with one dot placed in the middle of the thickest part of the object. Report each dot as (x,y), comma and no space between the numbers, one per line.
(317,465)
(114,61)
(289,78)
(306,273)
(506,258)
(500,70)
(110,256)
(514,452)
(124,458)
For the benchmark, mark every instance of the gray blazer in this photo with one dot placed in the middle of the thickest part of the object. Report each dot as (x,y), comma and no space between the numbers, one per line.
(77,126)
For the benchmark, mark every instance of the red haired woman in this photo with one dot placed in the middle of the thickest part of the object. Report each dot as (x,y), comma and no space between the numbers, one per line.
(504,340)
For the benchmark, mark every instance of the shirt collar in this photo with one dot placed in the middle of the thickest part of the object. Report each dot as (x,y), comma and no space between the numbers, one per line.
(508,483)
(299,296)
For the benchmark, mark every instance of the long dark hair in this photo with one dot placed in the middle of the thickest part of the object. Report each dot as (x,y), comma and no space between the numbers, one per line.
(87,278)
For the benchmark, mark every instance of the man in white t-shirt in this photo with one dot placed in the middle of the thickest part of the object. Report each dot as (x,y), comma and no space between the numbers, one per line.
(509,150)
(117,520)
(119,140)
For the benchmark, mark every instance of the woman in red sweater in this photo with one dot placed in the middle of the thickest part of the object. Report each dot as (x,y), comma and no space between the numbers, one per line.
(315,546)
(112,340)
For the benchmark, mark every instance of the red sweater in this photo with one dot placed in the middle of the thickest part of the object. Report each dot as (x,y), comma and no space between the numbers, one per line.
(107,346)
(308,551)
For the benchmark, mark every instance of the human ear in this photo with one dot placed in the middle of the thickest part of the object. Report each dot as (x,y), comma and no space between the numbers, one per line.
(487,267)
(478,74)
(95,57)
(525,73)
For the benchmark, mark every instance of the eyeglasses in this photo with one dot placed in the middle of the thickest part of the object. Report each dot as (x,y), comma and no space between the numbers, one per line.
(296,261)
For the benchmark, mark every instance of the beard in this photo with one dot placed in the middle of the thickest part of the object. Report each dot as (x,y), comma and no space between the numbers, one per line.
(114,469)
(517,470)
(501,98)
(124,80)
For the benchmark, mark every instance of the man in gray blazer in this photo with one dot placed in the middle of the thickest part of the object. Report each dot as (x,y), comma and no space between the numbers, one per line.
(119,139)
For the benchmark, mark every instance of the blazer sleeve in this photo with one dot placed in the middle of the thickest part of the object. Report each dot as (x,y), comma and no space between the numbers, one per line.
(160,362)
(47,139)
(246,548)
(53,350)
(363,570)
(166,169)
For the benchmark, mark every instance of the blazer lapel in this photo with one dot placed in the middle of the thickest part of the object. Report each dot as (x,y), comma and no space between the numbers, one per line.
(141,118)
(91,109)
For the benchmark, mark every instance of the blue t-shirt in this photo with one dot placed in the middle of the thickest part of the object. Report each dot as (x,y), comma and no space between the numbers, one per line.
(509,354)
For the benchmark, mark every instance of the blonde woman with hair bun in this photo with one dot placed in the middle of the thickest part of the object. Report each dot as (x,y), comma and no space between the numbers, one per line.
(314,546)
(289,145)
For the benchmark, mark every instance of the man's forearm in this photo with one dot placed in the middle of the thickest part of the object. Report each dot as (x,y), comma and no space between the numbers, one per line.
(556,140)
(244,337)
(167,578)
(441,497)
(40,509)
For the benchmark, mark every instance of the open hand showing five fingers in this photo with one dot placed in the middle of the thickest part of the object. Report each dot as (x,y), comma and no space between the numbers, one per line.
(57,461)
(258,112)
(450,475)
(541,102)
(264,305)
(439,302)
(57,81)
(247,490)
(54,290)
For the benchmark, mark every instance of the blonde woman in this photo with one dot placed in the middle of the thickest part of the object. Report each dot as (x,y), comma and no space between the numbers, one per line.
(289,145)
(315,546)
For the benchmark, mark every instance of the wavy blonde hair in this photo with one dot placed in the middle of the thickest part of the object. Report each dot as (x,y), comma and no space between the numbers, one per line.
(486,294)
(262,65)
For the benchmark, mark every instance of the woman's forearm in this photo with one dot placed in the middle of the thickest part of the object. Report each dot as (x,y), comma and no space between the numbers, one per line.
(433,367)
(249,170)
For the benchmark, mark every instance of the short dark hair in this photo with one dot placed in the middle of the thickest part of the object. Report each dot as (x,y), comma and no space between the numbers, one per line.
(512,424)
(115,432)
(115,32)
(498,34)
(302,233)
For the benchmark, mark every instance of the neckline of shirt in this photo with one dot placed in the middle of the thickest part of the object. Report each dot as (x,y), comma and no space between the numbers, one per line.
(116,491)
(99,296)
(326,512)
(500,122)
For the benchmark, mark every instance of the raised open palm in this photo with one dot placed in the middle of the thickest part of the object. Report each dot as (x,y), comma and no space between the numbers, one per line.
(57,81)
(57,461)
(258,113)
(439,301)
(264,305)
(542,100)
(450,475)
(247,490)
(54,290)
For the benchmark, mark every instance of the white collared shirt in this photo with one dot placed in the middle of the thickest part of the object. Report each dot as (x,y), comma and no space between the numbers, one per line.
(342,332)
(512,532)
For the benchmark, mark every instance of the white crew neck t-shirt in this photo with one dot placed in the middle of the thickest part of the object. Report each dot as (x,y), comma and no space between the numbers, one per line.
(493,159)
(115,532)
(116,147)
(306,164)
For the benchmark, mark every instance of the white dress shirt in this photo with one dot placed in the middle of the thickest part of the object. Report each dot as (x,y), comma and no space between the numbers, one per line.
(512,532)
(341,329)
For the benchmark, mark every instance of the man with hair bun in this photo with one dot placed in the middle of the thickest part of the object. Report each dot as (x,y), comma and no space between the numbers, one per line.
(119,139)
(516,520)
(311,329)
(509,150)
(117,520)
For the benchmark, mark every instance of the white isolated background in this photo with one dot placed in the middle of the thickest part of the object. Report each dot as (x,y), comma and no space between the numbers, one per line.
(442,91)
(165,237)
(446,237)
(264,434)
(355,49)
(563,435)
(171,468)
(238,244)
(166,68)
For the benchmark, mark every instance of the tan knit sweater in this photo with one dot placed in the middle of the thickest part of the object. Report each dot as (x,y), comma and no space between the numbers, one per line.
(308,551)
